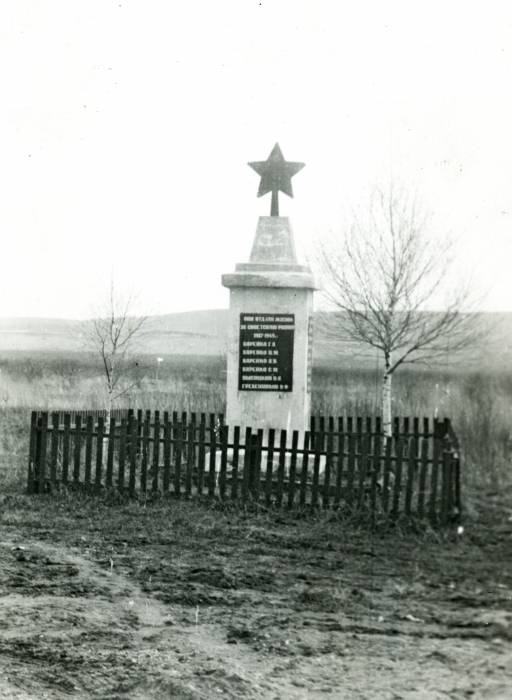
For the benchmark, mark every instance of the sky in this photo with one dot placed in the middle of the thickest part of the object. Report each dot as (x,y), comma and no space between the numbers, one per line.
(126,127)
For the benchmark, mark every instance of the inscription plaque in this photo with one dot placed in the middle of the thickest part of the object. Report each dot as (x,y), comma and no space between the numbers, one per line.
(266,352)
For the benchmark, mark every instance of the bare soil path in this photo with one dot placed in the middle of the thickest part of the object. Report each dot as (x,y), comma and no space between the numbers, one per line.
(178,600)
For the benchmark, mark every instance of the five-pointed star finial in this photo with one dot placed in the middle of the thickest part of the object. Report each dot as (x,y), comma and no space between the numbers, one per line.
(276,174)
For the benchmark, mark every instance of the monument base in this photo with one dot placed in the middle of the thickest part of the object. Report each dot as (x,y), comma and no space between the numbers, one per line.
(280,394)
(269,337)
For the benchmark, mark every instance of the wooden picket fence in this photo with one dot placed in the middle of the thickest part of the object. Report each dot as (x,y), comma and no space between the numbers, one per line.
(341,463)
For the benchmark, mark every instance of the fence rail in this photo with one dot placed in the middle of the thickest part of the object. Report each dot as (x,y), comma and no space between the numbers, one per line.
(339,463)
(402,426)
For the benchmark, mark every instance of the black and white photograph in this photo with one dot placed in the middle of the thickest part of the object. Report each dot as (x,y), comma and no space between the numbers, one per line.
(256,350)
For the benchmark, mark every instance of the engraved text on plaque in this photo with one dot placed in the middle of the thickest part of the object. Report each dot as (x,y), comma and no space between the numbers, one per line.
(266,352)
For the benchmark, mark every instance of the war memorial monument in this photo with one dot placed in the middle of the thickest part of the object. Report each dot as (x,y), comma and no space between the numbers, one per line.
(270,318)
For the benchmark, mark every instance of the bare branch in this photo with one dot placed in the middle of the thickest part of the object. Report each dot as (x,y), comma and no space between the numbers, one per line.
(383,276)
(113,335)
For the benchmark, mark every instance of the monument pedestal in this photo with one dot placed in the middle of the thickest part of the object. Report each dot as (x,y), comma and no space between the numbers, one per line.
(270,334)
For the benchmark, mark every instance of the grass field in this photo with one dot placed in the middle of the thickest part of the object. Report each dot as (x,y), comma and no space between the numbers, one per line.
(103,598)
(479,403)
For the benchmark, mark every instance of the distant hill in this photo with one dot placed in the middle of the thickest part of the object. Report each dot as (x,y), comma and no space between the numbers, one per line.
(205,333)
(187,333)
(39,334)
(192,332)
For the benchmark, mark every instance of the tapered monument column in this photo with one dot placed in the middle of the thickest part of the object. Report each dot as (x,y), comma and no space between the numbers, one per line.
(270,320)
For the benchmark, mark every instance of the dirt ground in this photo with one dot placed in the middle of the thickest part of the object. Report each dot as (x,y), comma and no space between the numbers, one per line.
(176,600)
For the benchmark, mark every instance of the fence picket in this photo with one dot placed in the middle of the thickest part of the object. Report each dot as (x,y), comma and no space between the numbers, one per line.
(110,452)
(445,509)
(32,452)
(77,450)
(351,469)
(399,448)
(122,455)
(247,463)
(451,494)
(213,457)
(422,479)
(456,485)
(223,461)
(89,427)
(166,476)
(327,470)
(192,445)
(316,469)
(375,472)
(156,452)
(362,470)
(54,453)
(140,418)
(321,431)
(433,483)
(270,466)
(178,451)
(201,454)
(280,469)
(411,472)
(386,475)
(339,464)
(99,453)
(41,463)
(236,456)
(359,432)
(256,465)
(190,457)
(145,452)
(293,468)
(304,468)
(66,449)
(132,453)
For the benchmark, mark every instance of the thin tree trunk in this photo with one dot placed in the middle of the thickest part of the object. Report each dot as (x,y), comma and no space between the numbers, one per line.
(108,416)
(110,406)
(110,391)
(387,423)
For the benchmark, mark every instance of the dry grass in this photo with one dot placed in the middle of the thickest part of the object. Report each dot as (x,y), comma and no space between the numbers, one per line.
(478,403)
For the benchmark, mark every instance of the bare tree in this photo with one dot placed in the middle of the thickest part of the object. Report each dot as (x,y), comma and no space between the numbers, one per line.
(114,335)
(383,277)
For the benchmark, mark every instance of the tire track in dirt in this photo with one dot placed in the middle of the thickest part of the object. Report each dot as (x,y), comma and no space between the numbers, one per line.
(86,622)
(180,603)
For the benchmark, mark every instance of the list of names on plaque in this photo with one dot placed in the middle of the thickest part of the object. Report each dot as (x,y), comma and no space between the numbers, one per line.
(266,352)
